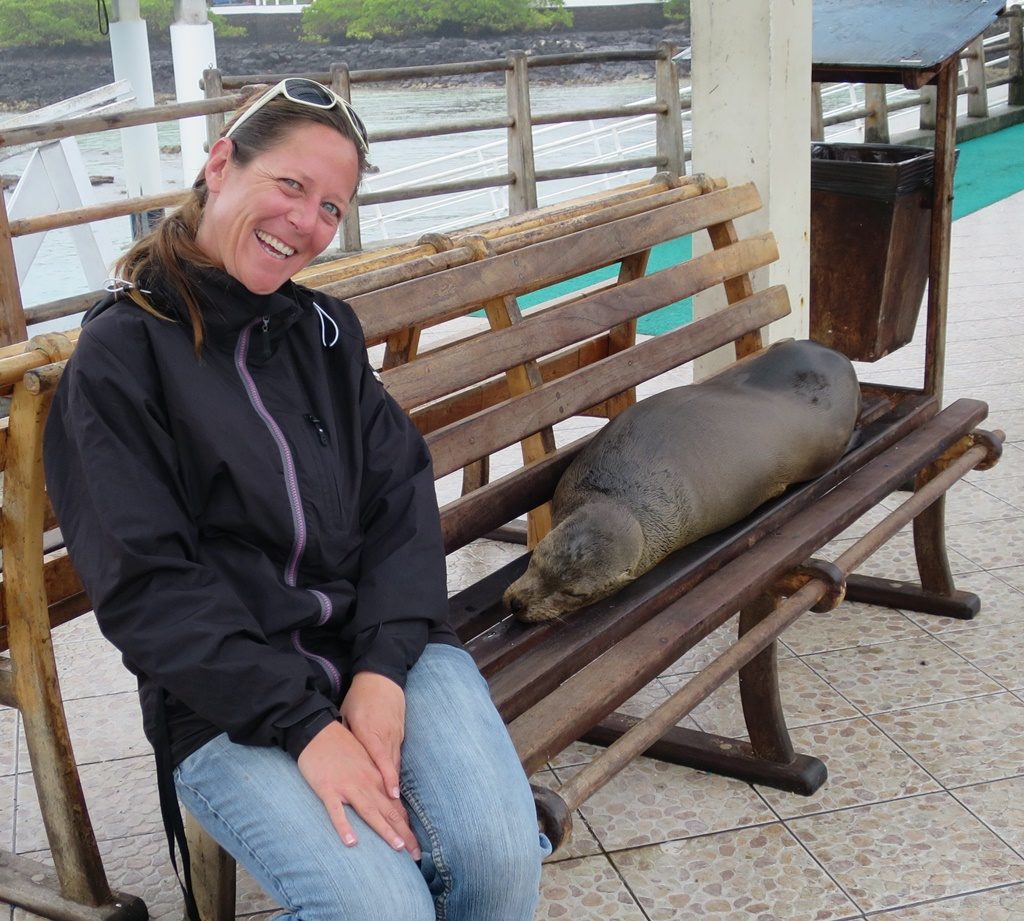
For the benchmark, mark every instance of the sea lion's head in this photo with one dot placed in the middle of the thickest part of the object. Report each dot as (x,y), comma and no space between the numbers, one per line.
(586,557)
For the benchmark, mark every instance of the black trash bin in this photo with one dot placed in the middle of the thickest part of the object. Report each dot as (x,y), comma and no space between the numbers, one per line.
(870,232)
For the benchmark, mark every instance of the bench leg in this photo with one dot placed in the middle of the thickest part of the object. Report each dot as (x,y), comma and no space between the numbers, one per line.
(80,891)
(213,874)
(759,691)
(553,816)
(718,755)
(936,593)
(68,829)
(30,885)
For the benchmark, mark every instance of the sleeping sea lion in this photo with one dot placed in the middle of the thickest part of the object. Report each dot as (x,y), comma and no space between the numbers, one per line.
(684,463)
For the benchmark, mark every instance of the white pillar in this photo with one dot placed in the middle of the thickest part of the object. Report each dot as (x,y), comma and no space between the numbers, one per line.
(129,50)
(193,50)
(751,122)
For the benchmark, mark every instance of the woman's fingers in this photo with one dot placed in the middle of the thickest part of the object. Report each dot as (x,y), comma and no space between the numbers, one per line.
(386,817)
(386,756)
(336,810)
(341,772)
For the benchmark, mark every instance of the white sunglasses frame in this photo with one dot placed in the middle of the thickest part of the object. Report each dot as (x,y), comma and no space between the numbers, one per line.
(281,89)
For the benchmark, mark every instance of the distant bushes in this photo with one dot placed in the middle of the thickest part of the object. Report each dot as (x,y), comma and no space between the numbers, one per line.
(327,20)
(677,10)
(45,23)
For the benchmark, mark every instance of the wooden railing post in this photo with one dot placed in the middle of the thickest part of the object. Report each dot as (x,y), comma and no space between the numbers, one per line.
(669,123)
(977,85)
(1014,20)
(522,194)
(927,114)
(817,114)
(876,122)
(350,235)
(12,313)
(213,88)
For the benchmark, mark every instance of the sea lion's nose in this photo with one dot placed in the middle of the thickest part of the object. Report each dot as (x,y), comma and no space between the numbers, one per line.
(515,606)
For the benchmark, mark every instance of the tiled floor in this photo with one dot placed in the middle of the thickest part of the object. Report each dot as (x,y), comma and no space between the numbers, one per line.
(920,719)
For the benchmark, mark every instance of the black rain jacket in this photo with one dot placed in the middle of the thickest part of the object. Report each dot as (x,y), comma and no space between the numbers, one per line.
(253,526)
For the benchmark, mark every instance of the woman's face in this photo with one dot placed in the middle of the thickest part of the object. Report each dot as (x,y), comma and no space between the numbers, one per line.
(268,219)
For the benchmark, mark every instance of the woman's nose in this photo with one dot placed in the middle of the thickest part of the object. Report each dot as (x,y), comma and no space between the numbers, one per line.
(303,216)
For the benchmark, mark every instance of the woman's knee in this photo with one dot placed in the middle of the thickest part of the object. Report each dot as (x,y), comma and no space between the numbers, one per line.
(378,900)
(495,862)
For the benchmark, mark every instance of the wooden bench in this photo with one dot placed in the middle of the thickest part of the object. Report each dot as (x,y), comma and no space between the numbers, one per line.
(512,380)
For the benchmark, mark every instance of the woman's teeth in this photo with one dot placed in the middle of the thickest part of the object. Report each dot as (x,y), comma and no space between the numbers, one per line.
(276,245)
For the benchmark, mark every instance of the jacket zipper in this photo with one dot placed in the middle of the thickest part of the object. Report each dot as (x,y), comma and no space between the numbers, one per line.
(291,482)
(318,427)
(265,339)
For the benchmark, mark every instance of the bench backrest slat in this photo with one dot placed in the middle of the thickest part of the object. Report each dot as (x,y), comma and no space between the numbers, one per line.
(433,375)
(444,412)
(491,430)
(358,273)
(489,507)
(463,287)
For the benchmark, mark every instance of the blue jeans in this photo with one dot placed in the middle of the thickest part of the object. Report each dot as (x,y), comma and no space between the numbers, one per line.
(468,800)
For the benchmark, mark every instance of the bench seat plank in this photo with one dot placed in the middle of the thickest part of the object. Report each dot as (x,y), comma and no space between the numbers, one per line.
(563,647)
(558,649)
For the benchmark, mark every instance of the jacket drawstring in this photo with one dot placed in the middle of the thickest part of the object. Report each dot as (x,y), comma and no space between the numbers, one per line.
(170,811)
(326,318)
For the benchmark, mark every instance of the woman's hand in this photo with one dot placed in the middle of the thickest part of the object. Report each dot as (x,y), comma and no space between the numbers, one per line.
(341,772)
(374,710)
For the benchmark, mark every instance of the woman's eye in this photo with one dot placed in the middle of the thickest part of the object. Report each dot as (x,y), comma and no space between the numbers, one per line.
(332,209)
(291,183)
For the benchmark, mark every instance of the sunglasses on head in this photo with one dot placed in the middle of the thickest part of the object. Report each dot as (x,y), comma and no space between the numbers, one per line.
(316,96)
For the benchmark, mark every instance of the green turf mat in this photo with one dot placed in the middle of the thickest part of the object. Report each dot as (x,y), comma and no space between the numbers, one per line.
(990,169)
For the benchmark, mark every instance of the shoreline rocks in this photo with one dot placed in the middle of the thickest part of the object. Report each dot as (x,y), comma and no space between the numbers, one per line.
(33,77)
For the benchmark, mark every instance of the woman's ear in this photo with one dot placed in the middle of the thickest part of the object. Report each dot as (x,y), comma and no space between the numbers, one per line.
(217,163)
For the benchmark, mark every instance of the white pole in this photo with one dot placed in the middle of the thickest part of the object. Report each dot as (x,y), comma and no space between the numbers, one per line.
(751,121)
(129,50)
(193,50)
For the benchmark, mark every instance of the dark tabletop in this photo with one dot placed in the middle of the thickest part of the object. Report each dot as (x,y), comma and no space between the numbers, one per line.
(893,41)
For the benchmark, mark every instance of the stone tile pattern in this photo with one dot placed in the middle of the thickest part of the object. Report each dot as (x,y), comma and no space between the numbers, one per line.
(919,719)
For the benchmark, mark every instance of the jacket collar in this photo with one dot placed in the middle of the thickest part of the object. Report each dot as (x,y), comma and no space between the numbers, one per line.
(228,306)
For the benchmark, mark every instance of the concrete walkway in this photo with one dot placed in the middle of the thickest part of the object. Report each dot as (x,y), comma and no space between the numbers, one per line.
(920,719)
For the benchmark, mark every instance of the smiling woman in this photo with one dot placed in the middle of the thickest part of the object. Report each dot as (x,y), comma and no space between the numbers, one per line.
(254,520)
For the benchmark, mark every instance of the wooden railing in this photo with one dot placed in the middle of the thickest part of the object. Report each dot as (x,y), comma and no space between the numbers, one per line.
(522,175)
(225,93)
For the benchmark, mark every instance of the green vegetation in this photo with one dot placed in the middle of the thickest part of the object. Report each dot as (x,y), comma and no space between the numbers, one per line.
(677,10)
(159,14)
(326,20)
(42,23)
